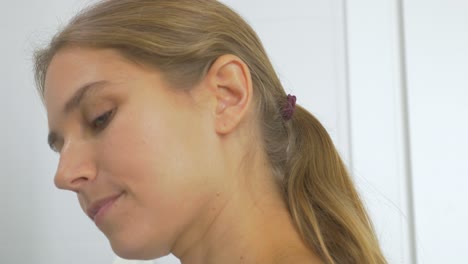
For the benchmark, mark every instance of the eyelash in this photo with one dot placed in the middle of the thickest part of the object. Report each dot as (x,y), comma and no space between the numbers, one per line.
(102,121)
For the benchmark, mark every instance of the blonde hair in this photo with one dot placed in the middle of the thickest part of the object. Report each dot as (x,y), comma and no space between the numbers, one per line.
(182,38)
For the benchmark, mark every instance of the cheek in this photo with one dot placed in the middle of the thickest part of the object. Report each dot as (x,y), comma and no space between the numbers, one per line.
(159,160)
(163,162)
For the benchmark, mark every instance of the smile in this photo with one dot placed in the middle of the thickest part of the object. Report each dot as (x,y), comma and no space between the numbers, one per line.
(99,208)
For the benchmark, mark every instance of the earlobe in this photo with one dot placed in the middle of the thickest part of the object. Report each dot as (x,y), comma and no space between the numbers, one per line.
(232,87)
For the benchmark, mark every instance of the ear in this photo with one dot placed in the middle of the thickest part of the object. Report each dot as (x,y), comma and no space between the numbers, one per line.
(230,82)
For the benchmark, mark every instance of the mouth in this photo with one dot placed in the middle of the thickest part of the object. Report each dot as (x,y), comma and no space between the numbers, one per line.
(99,207)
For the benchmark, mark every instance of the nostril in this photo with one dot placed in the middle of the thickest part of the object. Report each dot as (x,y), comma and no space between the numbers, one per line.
(79,180)
(70,180)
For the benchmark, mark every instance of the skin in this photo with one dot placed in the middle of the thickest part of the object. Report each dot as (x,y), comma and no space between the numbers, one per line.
(192,178)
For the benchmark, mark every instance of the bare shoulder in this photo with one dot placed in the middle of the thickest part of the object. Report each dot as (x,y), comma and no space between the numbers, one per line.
(299,259)
(304,260)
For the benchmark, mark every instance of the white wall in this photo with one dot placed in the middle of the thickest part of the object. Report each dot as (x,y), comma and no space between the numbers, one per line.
(378,122)
(408,81)
(437,63)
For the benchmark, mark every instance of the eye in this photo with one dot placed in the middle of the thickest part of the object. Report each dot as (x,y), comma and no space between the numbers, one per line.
(102,121)
(55,143)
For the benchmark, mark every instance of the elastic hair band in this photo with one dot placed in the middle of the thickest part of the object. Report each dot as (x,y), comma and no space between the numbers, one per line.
(288,110)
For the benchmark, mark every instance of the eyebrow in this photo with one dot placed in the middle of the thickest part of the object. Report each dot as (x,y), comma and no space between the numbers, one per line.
(74,102)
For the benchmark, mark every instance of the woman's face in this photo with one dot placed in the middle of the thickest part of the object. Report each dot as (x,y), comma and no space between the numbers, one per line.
(128,137)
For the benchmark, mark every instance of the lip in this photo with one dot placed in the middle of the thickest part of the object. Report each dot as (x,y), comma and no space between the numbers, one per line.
(98,208)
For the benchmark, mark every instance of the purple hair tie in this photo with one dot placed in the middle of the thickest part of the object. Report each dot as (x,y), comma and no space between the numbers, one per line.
(289,108)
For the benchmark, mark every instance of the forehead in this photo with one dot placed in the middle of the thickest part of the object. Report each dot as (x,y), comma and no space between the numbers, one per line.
(72,67)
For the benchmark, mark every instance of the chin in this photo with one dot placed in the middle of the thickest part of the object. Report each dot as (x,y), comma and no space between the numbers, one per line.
(131,250)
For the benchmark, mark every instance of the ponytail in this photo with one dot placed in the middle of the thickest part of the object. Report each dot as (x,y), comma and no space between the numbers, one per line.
(322,199)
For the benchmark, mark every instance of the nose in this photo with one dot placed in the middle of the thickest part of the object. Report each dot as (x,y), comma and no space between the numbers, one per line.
(76,166)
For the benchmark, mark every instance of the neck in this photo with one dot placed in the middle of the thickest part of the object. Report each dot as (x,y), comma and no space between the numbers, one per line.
(250,223)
